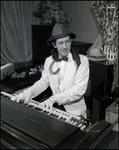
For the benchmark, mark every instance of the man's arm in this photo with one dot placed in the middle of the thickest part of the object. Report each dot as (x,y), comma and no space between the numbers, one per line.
(37,88)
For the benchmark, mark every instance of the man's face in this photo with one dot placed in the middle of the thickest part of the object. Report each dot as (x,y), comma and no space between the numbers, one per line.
(63,46)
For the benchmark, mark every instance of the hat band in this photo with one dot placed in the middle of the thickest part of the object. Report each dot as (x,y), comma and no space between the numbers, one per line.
(58,36)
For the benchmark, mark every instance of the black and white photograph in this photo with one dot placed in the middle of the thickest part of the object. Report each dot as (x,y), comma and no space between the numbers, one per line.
(59,74)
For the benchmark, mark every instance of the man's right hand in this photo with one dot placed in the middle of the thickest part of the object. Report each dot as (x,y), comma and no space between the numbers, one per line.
(21,97)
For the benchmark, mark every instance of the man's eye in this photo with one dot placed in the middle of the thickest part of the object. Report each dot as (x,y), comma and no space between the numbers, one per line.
(60,43)
(67,42)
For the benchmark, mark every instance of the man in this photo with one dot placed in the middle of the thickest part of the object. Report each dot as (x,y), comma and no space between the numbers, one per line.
(67,78)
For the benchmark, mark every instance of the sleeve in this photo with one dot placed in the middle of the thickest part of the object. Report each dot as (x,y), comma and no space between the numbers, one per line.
(79,87)
(41,85)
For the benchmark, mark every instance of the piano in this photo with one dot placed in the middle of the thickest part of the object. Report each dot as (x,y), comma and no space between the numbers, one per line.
(30,126)
(47,127)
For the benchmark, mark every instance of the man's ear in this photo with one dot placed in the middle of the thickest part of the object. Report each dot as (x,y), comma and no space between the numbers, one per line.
(53,44)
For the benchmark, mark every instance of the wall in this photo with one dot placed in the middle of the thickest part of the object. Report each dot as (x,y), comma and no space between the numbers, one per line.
(83,23)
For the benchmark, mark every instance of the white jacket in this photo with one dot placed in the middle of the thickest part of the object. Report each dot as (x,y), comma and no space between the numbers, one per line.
(73,87)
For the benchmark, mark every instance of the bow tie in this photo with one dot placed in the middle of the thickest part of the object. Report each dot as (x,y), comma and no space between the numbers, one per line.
(65,58)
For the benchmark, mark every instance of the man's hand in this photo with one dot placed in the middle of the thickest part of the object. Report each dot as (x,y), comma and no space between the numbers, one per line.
(21,97)
(48,104)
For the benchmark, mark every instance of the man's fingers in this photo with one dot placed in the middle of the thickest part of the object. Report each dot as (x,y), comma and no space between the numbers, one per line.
(26,100)
(51,106)
(14,98)
(19,98)
(47,104)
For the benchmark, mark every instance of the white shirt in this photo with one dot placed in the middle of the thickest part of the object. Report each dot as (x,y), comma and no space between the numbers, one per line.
(62,65)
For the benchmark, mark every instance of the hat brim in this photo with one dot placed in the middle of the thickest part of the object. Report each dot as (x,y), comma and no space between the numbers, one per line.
(51,39)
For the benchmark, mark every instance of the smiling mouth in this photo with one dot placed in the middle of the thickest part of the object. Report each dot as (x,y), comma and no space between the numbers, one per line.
(65,50)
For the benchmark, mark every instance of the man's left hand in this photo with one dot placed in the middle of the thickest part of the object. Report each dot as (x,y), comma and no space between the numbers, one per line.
(48,104)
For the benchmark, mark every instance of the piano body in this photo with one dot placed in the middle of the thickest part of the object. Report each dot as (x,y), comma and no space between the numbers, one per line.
(29,126)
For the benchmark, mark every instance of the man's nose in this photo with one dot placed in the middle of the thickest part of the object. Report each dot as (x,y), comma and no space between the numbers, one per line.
(64,45)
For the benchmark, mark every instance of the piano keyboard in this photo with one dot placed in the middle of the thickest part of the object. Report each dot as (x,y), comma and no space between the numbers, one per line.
(69,118)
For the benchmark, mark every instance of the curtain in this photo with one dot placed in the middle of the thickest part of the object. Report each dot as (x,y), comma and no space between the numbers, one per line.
(16,34)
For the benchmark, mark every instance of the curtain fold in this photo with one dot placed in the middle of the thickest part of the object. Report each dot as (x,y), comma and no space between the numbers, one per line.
(16,34)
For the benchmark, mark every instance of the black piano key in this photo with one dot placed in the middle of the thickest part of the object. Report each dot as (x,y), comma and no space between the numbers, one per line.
(25,104)
(45,112)
(21,102)
(38,108)
(30,106)
(5,96)
(61,118)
